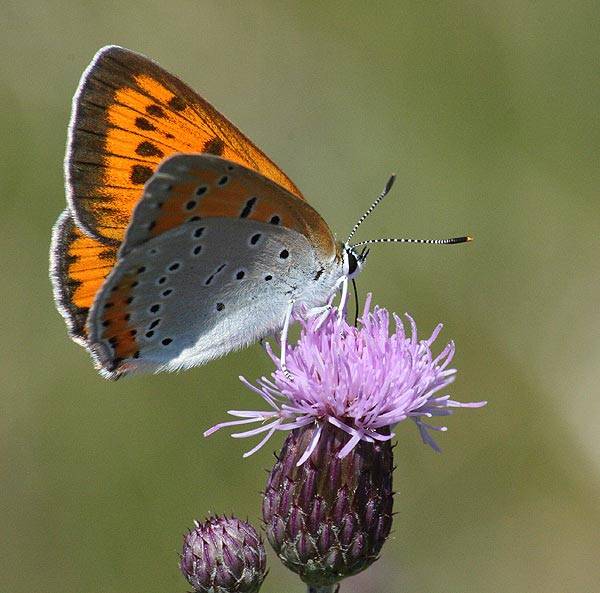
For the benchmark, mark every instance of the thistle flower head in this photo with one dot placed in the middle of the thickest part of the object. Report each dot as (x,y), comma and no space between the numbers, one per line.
(362,380)
(328,518)
(223,555)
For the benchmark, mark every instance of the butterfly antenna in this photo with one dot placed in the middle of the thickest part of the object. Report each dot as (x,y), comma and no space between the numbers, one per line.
(451,241)
(385,192)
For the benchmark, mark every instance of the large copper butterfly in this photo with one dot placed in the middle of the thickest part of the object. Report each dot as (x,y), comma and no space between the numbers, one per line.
(181,240)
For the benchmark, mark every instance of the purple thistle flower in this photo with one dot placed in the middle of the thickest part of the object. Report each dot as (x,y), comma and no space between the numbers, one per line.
(328,518)
(360,379)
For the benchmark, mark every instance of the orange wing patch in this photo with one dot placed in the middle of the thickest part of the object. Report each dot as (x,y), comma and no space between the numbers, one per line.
(79,265)
(128,115)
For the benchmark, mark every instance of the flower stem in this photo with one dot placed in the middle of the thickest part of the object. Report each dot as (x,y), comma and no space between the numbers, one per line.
(323,588)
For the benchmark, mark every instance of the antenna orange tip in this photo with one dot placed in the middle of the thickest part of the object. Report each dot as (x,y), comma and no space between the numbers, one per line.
(469,238)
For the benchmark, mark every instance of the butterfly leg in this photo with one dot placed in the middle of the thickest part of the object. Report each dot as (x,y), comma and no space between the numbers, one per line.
(284,337)
(264,346)
(320,312)
(343,282)
(343,298)
(324,310)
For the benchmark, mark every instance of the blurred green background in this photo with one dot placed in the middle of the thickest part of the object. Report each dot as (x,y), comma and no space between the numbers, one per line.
(489,114)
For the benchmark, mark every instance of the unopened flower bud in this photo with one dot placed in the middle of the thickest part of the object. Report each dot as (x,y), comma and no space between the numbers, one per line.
(223,555)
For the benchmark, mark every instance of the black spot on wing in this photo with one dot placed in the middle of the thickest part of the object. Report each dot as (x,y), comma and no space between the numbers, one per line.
(147,148)
(248,208)
(106,255)
(143,124)
(140,174)
(214,146)
(176,103)
(155,110)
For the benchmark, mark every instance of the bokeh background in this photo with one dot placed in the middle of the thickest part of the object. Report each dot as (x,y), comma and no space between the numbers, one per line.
(489,114)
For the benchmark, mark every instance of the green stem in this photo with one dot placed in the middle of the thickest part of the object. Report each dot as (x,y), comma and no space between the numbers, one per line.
(323,588)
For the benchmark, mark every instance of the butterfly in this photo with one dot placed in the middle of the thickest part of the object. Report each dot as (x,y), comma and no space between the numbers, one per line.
(181,240)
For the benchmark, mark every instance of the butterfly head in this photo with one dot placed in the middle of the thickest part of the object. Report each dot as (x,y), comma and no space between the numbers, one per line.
(353,260)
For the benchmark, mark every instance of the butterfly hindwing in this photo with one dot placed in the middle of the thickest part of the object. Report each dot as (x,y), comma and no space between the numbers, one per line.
(196,292)
(128,115)
(188,187)
(78,267)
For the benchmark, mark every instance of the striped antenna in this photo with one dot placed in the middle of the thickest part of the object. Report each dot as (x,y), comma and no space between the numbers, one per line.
(450,241)
(385,192)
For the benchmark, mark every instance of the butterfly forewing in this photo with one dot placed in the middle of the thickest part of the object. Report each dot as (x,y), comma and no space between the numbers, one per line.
(128,115)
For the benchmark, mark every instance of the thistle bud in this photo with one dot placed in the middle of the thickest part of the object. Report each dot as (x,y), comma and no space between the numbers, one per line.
(328,517)
(223,555)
